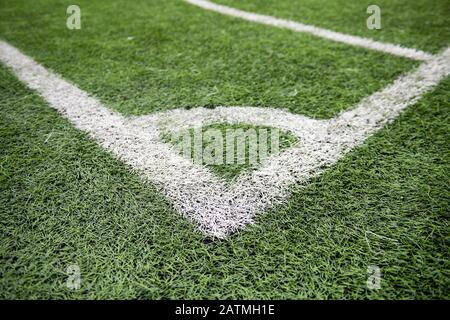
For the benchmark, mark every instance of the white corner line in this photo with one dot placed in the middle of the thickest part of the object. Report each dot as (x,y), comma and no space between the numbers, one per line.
(316,31)
(216,208)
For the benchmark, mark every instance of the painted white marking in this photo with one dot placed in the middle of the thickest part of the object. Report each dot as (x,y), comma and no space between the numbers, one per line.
(219,208)
(319,32)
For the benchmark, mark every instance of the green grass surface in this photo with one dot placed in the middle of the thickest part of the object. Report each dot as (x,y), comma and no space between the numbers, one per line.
(183,56)
(420,24)
(64,200)
(229,171)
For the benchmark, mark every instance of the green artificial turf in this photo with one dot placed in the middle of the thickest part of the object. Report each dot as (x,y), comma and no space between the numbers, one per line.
(229,171)
(64,200)
(420,24)
(184,56)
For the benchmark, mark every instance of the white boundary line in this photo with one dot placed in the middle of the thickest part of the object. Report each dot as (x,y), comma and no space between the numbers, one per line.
(216,207)
(319,32)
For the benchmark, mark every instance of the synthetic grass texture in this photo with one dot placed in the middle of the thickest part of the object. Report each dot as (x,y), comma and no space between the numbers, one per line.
(420,24)
(65,201)
(184,56)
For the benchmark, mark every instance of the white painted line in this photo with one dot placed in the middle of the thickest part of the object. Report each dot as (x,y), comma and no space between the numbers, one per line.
(216,207)
(140,148)
(319,32)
